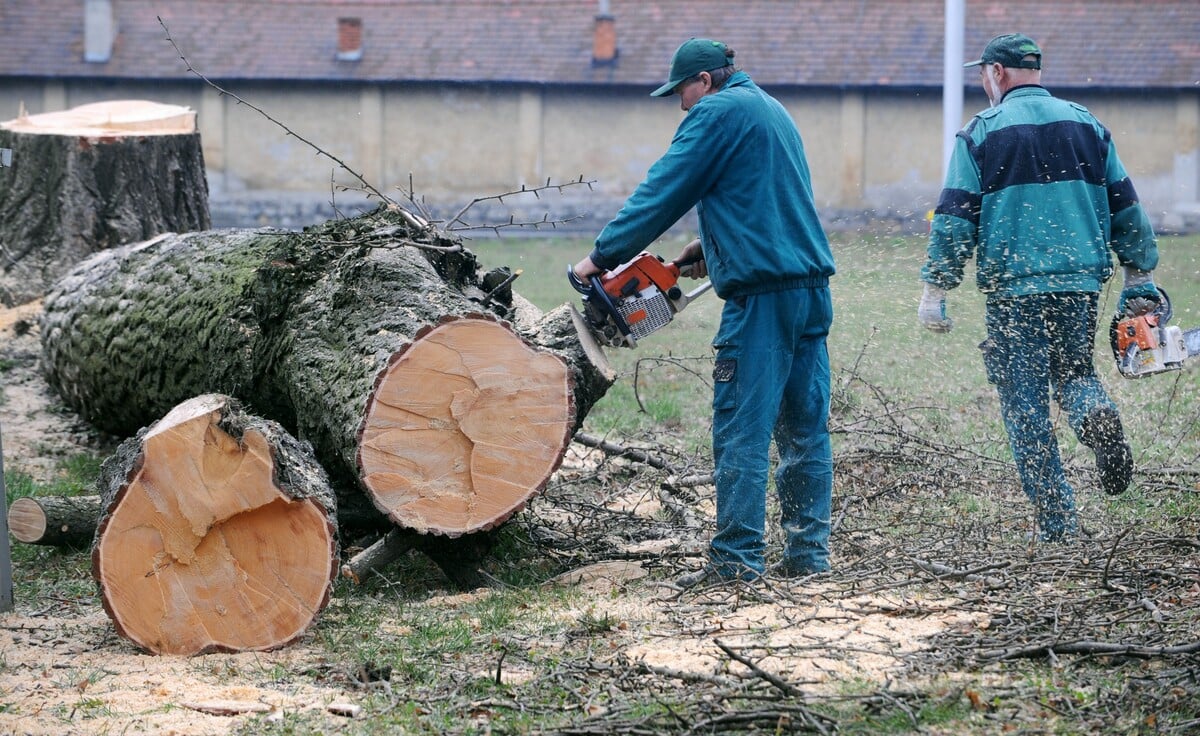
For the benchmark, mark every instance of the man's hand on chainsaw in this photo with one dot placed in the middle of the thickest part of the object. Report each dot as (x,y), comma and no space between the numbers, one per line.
(1139,295)
(932,310)
(585,269)
(693,256)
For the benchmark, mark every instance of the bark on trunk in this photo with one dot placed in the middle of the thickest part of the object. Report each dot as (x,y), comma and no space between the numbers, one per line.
(71,521)
(58,521)
(91,178)
(218,533)
(449,404)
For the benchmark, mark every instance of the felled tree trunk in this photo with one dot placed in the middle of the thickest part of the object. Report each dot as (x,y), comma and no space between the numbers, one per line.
(90,178)
(71,521)
(218,533)
(448,402)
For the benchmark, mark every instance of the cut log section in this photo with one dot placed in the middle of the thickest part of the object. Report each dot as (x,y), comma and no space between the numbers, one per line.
(59,521)
(90,178)
(462,425)
(449,406)
(218,533)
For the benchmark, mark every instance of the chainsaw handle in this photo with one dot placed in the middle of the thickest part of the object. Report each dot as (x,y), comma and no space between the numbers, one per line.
(684,266)
(577,283)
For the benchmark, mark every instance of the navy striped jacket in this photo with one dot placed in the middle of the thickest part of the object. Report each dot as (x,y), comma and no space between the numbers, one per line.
(1036,192)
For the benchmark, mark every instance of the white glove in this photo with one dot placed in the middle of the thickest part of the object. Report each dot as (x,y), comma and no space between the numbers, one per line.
(932,312)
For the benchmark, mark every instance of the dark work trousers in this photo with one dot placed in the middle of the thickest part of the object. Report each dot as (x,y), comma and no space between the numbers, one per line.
(771,379)
(1038,346)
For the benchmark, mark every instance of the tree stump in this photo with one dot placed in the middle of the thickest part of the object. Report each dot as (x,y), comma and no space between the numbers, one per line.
(447,404)
(90,178)
(218,533)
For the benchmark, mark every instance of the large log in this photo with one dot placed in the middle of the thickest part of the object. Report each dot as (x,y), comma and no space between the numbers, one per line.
(218,533)
(90,178)
(448,401)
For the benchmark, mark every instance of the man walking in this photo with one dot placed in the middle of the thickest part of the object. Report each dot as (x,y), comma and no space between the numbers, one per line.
(1036,193)
(738,158)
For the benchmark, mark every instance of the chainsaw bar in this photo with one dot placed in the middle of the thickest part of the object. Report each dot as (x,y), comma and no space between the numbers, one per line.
(1191,341)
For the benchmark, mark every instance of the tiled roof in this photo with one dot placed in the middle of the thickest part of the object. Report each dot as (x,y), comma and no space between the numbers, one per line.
(840,43)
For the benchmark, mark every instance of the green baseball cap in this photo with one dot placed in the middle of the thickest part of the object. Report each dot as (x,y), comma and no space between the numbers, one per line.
(1010,50)
(693,56)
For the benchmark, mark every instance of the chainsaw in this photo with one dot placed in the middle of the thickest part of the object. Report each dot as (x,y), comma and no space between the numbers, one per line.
(1145,345)
(635,299)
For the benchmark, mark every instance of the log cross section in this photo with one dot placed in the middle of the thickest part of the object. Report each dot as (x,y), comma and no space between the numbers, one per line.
(463,426)
(202,548)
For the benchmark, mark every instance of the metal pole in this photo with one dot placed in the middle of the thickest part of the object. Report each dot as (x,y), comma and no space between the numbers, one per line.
(6,580)
(6,584)
(952,80)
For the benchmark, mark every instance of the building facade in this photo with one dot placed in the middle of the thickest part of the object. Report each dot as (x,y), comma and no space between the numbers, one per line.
(449,101)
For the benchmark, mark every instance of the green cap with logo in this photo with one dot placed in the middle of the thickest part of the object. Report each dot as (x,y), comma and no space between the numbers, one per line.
(695,55)
(1010,50)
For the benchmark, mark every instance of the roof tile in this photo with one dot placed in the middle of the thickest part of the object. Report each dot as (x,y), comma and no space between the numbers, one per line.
(1088,43)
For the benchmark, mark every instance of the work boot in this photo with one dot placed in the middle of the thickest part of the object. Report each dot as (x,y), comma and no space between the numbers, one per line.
(789,572)
(703,577)
(711,575)
(1102,433)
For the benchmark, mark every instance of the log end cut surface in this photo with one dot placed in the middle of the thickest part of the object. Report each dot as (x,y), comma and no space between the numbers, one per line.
(464,426)
(26,520)
(203,552)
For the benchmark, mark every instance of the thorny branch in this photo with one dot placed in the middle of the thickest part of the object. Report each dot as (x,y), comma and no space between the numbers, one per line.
(457,223)
(412,220)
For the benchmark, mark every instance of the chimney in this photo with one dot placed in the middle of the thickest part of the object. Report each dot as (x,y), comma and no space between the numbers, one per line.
(349,46)
(99,31)
(604,38)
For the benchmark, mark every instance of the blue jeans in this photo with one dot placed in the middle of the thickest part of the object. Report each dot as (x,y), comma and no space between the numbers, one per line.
(1041,345)
(772,379)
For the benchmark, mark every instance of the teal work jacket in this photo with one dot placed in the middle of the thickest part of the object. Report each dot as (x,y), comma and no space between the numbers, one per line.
(738,158)
(1036,192)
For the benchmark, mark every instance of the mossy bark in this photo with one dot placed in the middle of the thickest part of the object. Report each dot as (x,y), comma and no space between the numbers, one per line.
(299,326)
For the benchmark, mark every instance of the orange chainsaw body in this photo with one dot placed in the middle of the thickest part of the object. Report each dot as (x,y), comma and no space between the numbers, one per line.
(645,270)
(627,285)
(634,299)
(1141,331)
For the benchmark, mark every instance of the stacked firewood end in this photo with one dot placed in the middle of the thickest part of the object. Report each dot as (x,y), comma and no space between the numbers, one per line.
(284,390)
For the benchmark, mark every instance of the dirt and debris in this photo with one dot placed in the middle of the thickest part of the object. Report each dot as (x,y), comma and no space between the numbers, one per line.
(937,598)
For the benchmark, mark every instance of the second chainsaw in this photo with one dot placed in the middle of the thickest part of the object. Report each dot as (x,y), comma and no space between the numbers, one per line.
(635,299)
(1145,344)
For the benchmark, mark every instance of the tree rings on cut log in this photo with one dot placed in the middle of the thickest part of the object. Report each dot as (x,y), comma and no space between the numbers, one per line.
(464,425)
(218,534)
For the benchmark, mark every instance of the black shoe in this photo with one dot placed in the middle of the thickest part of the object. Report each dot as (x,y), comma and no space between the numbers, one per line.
(788,572)
(1102,432)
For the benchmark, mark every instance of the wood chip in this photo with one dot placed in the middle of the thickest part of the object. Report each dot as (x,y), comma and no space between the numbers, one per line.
(227,707)
(349,710)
